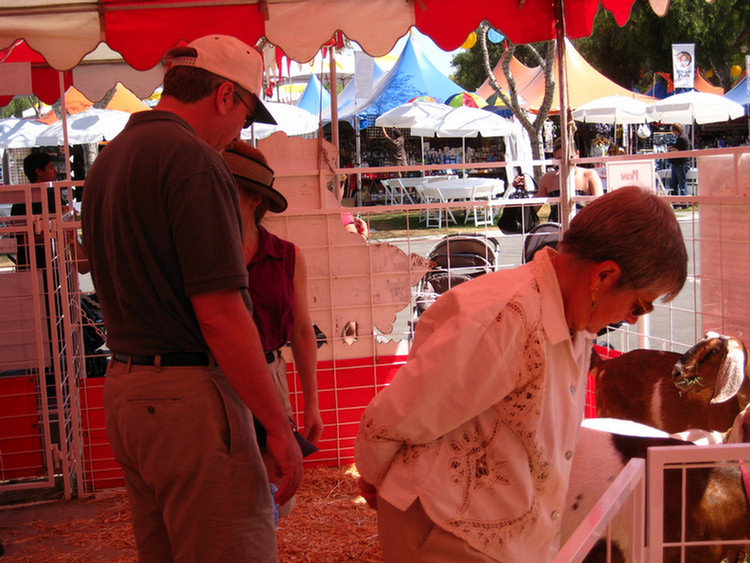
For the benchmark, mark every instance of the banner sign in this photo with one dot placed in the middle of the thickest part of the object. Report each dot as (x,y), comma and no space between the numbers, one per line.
(363,70)
(683,65)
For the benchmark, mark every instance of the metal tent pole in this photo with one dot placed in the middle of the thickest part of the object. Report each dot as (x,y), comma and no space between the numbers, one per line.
(565,167)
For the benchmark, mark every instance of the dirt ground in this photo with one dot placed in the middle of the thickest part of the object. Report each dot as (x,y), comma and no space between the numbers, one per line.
(330,524)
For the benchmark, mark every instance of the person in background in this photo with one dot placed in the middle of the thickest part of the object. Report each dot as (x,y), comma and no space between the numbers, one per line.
(355,225)
(467,453)
(678,185)
(396,144)
(278,287)
(162,223)
(587,182)
(38,167)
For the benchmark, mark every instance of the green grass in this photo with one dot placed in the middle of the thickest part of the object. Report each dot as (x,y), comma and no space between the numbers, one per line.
(401,225)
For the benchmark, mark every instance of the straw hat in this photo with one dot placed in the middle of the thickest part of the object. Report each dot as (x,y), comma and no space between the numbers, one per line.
(251,173)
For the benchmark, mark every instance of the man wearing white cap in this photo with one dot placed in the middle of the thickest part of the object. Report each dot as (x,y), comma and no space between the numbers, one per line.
(162,224)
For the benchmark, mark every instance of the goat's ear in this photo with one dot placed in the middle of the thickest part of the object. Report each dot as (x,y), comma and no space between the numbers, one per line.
(731,372)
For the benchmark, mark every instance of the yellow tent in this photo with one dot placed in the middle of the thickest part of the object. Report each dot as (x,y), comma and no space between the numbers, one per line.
(585,83)
(75,102)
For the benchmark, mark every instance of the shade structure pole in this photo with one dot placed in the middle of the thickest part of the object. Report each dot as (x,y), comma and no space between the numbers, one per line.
(334,115)
(357,160)
(64,111)
(463,155)
(565,117)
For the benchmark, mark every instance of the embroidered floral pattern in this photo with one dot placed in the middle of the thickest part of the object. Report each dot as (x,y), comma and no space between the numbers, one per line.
(519,411)
(408,453)
(470,466)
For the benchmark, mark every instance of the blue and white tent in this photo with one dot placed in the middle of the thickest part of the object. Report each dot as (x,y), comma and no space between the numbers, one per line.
(315,97)
(413,75)
(739,93)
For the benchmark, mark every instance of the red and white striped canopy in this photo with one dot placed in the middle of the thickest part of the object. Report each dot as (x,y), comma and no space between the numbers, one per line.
(60,34)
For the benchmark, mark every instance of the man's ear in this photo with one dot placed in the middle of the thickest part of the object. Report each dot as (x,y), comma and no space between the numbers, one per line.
(224,97)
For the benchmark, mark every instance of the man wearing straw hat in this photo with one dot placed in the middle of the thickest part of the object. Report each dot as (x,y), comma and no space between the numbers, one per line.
(162,223)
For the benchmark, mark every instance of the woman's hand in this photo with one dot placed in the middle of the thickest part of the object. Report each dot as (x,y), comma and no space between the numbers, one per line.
(313,425)
(369,493)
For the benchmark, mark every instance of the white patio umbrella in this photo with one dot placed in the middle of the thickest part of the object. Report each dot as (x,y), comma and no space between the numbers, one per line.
(290,119)
(612,109)
(411,113)
(19,133)
(89,126)
(463,122)
(694,107)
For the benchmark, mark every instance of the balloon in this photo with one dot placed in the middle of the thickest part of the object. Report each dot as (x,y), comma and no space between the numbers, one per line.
(735,70)
(494,36)
(470,41)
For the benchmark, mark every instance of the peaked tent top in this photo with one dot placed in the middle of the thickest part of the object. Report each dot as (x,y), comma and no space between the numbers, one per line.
(738,93)
(413,75)
(346,98)
(315,98)
(521,73)
(585,83)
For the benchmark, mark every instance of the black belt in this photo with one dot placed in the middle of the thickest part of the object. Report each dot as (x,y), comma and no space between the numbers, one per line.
(272,355)
(168,359)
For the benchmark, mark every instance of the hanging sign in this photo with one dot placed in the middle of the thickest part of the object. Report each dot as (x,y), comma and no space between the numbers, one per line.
(683,65)
(631,173)
(363,71)
(15,79)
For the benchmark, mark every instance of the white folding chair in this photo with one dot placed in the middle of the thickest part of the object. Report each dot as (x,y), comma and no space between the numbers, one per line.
(401,191)
(482,215)
(388,199)
(434,216)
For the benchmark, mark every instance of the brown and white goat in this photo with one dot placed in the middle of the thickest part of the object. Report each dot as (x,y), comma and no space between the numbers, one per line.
(716,504)
(705,388)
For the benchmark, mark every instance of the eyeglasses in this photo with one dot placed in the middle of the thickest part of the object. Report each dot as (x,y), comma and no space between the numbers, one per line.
(248,118)
(640,308)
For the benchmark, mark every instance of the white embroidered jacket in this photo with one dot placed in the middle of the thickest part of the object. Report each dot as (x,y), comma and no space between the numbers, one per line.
(481,421)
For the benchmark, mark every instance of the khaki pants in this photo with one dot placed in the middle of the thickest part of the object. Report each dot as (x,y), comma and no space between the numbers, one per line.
(197,487)
(410,536)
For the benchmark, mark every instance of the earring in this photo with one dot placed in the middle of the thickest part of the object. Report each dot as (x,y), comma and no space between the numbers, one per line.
(593,296)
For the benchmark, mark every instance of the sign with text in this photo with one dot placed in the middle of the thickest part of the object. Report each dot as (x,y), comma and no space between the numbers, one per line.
(631,173)
(683,65)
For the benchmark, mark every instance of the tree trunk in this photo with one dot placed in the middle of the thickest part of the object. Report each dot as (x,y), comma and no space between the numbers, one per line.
(535,127)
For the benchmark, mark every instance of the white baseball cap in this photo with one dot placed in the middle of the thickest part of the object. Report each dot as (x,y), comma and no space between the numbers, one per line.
(230,58)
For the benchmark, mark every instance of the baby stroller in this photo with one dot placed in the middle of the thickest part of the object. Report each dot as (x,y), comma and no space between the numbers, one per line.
(543,234)
(458,258)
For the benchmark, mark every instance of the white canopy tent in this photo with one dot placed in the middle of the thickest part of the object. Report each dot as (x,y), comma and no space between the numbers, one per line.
(612,109)
(89,126)
(19,133)
(291,119)
(694,107)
